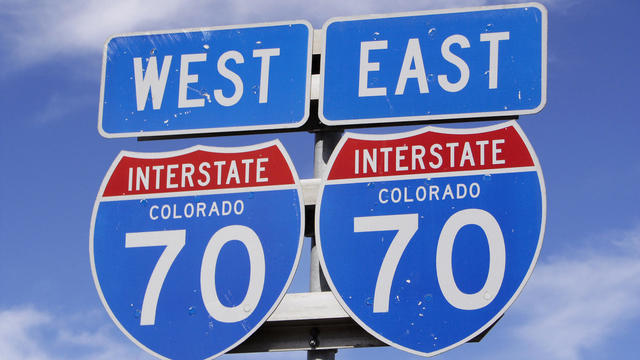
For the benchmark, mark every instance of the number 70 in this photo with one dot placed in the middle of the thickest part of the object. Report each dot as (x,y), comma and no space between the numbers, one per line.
(174,241)
(407,225)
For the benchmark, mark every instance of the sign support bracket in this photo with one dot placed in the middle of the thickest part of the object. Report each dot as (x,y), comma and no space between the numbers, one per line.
(325,142)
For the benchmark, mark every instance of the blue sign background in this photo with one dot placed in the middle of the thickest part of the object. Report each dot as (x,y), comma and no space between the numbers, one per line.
(419,318)
(183,328)
(521,71)
(288,90)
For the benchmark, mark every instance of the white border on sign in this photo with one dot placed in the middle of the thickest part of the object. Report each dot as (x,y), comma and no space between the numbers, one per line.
(159,155)
(324,181)
(363,121)
(214,129)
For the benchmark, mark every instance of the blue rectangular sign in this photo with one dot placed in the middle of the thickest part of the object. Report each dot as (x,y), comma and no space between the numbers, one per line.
(463,63)
(223,79)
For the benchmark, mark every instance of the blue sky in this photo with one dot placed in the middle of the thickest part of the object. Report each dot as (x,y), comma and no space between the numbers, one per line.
(581,302)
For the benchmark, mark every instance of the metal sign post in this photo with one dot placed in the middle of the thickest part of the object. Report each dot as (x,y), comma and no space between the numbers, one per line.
(325,142)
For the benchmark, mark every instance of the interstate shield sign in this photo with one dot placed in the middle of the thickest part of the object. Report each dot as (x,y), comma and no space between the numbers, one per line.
(427,237)
(192,250)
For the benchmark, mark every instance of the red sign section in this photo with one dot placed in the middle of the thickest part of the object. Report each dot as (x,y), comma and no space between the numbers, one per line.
(200,169)
(431,152)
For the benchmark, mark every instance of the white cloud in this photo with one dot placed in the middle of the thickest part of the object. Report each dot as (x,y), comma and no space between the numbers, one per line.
(38,30)
(15,339)
(51,28)
(575,304)
(32,334)
(627,240)
(585,301)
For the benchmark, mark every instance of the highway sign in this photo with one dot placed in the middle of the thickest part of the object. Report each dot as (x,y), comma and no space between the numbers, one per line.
(219,79)
(427,237)
(192,250)
(447,64)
